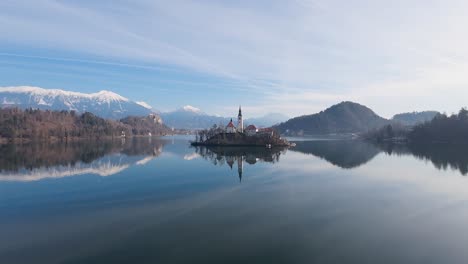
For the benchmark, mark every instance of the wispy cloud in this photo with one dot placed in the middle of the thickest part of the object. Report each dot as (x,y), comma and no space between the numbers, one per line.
(299,57)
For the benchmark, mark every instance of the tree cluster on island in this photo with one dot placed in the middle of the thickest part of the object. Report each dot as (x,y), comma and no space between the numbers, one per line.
(34,124)
(217,135)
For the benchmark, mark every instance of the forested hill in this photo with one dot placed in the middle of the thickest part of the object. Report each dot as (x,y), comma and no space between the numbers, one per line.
(17,124)
(345,117)
(414,118)
(441,129)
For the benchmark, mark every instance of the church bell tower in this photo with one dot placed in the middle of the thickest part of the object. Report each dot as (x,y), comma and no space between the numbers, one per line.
(240,122)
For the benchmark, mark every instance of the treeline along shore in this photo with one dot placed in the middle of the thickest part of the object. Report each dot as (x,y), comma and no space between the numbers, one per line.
(442,128)
(17,125)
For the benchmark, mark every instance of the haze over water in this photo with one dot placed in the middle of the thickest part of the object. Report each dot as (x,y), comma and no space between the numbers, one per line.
(161,201)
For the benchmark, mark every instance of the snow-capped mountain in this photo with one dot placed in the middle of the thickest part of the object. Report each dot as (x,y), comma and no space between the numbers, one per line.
(189,117)
(104,103)
(145,105)
(189,108)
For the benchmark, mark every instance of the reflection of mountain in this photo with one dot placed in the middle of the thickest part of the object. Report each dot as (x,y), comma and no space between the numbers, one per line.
(32,162)
(443,156)
(342,153)
(233,156)
(101,167)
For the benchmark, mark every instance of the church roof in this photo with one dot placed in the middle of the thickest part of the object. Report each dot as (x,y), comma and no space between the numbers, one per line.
(251,127)
(230,124)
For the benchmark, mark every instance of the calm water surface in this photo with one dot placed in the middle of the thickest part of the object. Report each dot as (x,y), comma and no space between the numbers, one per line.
(162,201)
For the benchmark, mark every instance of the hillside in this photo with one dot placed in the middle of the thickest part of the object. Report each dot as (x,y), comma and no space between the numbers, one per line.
(17,124)
(441,129)
(414,118)
(345,117)
(105,104)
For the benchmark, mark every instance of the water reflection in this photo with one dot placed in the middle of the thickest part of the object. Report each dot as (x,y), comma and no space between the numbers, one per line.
(345,154)
(32,162)
(234,157)
(391,210)
(350,154)
(442,156)
(36,161)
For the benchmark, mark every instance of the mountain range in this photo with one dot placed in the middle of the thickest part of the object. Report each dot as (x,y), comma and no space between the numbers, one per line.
(189,117)
(106,104)
(347,117)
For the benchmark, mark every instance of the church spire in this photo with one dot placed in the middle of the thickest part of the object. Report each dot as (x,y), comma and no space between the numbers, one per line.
(240,122)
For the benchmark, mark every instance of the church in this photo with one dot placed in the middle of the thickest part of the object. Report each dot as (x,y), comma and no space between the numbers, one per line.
(251,130)
(230,128)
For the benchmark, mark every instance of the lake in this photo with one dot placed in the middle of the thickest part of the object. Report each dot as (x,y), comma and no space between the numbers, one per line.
(159,200)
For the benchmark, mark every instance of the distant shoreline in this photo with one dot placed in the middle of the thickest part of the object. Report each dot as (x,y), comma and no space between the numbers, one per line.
(72,139)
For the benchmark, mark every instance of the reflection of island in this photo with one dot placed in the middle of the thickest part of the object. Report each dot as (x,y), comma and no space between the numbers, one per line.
(236,156)
(346,154)
(30,162)
(443,156)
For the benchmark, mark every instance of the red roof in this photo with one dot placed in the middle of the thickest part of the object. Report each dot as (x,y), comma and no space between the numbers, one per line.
(251,127)
(230,124)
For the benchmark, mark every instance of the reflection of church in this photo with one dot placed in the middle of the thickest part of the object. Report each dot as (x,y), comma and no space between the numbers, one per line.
(239,155)
(230,160)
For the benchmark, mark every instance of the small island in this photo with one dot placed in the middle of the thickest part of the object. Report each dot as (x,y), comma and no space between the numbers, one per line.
(238,136)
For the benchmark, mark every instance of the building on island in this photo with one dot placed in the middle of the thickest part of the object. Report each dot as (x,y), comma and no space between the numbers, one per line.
(251,130)
(240,122)
(230,135)
(230,128)
(265,131)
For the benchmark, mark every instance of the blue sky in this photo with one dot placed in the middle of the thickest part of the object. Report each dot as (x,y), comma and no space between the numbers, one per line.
(295,57)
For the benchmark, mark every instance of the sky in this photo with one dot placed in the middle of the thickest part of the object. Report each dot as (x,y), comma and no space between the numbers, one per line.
(294,57)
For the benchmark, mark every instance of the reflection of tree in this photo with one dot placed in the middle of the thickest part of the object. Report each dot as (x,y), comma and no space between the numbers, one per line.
(342,153)
(238,155)
(14,157)
(443,156)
